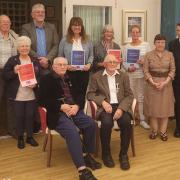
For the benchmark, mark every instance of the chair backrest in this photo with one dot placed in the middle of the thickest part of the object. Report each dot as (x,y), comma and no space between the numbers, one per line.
(42,113)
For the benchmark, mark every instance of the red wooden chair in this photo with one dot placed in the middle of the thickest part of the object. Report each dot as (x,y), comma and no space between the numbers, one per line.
(48,135)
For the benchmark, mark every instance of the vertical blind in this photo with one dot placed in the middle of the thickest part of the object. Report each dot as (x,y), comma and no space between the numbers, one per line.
(94,18)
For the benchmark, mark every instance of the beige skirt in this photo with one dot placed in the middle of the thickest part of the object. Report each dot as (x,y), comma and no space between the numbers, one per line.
(159,104)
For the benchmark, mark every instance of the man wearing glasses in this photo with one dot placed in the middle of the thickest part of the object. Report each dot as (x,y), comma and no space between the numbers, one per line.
(110,90)
(7,49)
(64,112)
(43,36)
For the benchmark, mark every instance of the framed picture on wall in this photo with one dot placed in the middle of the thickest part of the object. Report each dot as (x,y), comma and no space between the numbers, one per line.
(134,17)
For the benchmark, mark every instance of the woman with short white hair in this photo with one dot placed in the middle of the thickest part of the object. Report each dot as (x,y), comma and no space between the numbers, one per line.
(24,98)
(102,47)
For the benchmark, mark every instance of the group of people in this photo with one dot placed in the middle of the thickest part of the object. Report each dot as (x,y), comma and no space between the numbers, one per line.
(62,88)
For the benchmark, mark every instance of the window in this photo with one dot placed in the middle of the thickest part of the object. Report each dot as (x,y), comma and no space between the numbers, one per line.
(94,18)
(17,11)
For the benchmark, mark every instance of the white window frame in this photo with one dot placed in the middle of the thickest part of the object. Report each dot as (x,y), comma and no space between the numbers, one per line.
(68,9)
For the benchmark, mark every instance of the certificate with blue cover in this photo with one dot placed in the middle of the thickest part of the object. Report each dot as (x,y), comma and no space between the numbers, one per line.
(78,58)
(132,56)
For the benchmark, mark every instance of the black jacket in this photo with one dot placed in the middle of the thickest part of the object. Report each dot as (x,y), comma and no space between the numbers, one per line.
(51,95)
(12,79)
(174,47)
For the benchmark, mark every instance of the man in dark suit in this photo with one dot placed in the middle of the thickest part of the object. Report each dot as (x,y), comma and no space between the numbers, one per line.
(43,36)
(174,47)
(110,90)
(64,107)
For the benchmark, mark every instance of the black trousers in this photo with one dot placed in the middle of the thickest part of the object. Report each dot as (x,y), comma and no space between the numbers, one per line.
(24,114)
(106,129)
(8,104)
(176,88)
(80,79)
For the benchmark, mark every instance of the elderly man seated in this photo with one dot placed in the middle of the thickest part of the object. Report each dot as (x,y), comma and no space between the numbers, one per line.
(63,102)
(110,90)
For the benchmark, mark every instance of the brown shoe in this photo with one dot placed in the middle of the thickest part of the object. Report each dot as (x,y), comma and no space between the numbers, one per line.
(163,136)
(153,135)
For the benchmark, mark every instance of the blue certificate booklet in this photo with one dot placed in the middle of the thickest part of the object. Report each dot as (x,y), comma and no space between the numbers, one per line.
(132,56)
(78,59)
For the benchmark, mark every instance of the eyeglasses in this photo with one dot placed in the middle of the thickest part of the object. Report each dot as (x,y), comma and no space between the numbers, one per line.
(61,65)
(112,62)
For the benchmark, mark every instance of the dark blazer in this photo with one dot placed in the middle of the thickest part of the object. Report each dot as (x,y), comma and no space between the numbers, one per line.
(52,39)
(51,94)
(12,79)
(174,47)
(99,91)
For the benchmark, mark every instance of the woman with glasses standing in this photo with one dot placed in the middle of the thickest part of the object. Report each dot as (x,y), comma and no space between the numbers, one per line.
(136,75)
(102,47)
(76,39)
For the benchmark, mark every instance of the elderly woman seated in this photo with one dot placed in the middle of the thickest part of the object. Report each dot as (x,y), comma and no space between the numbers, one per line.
(24,98)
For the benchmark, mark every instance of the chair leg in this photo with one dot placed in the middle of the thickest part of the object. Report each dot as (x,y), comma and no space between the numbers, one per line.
(132,142)
(97,141)
(49,150)
(45,142)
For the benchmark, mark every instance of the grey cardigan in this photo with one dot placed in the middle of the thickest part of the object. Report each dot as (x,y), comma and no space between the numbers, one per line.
(65,49)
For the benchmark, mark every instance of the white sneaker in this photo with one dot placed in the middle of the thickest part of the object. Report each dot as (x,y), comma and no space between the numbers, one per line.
(144,125)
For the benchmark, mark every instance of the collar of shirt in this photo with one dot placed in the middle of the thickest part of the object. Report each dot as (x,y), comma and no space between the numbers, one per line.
(2,37)
(106,73)
(56,76)
(37,26)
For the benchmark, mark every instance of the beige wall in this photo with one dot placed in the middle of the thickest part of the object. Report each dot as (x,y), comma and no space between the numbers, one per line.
(153,8)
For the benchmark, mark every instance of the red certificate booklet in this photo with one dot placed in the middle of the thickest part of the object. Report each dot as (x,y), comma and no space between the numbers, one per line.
(117,54)
(26,75)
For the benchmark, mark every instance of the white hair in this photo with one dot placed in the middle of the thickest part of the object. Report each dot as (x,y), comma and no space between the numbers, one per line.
(2,16)
(107,27)
(23,39)
(58,59)
(109,57)
(37,6)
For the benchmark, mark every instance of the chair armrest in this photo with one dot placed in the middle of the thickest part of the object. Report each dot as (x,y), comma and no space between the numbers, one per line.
(134,105)
(42,114)
(93,106)
(133,110)
(93,109)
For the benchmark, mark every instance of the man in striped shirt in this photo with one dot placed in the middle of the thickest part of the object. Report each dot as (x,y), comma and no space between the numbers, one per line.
(8,49)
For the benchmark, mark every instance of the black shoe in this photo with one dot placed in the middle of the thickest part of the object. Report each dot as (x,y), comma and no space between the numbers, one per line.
(86,174)
(21,144)
(108,161)
(124,162)
(31,141)
(91,162)
(177,133)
